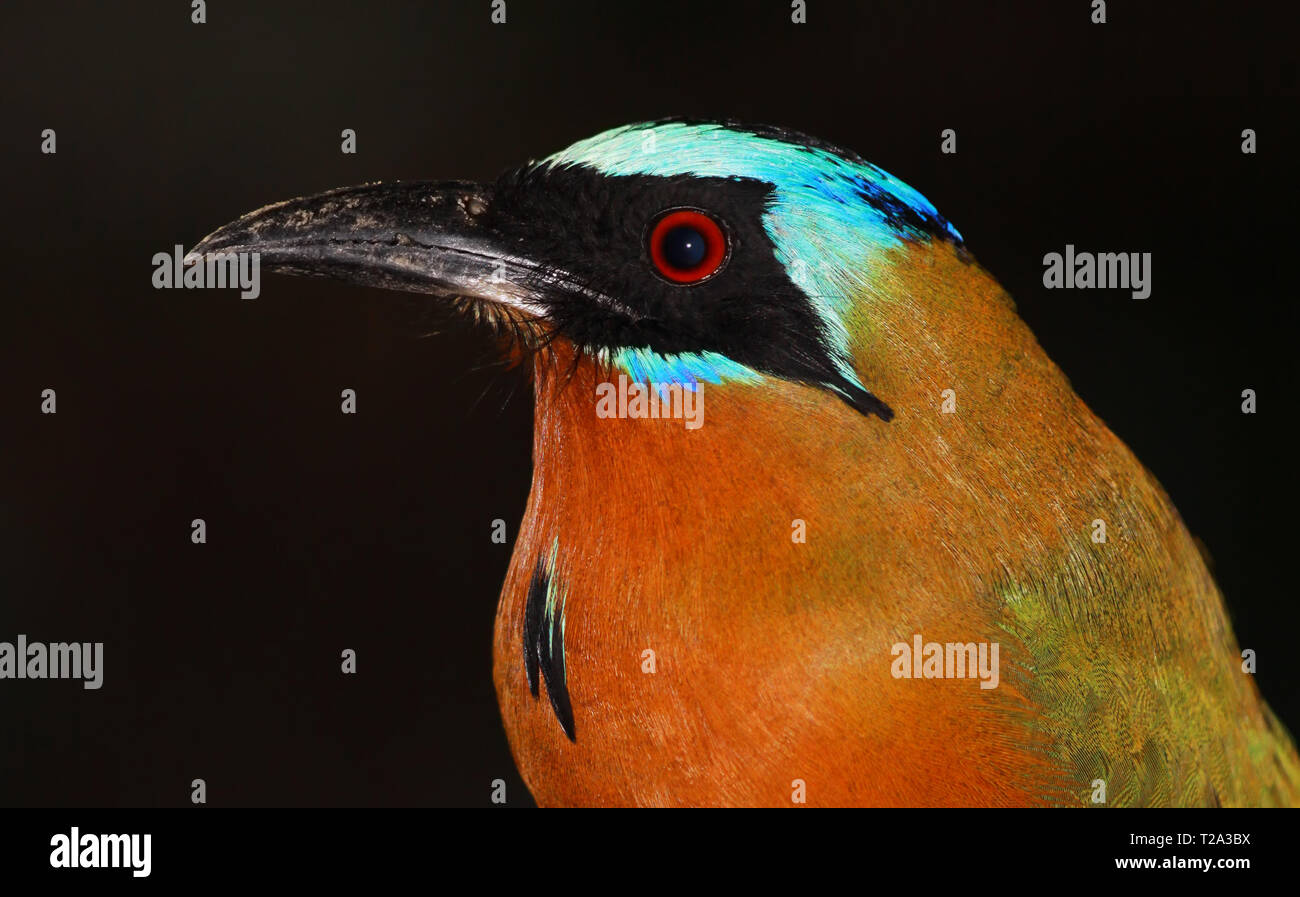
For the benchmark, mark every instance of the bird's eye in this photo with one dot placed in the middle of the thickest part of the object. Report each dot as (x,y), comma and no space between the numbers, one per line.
(687,246)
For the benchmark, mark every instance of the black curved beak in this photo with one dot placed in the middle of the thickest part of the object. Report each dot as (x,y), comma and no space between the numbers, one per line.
(422,237)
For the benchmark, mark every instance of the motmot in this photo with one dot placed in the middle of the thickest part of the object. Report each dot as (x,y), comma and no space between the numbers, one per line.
(897,562)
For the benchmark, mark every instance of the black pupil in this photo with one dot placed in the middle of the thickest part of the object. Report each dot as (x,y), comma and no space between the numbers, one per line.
(684,247)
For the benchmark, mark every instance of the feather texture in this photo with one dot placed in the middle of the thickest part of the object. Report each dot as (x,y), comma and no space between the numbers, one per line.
(773,657)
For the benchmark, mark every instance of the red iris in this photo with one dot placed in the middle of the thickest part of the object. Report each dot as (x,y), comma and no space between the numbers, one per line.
(687,246)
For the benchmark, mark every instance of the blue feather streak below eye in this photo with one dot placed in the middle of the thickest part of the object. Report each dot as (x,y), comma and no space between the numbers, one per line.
(686,369)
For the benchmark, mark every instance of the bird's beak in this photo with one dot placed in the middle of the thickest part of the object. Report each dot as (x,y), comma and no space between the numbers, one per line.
(420,237)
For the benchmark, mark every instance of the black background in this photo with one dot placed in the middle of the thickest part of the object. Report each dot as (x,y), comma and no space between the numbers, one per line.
(371,531)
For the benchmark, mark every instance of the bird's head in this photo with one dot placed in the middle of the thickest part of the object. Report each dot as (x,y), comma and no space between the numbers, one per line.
(673,252)
(836,319)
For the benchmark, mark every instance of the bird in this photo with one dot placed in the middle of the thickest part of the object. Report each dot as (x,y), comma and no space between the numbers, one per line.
(893,559)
